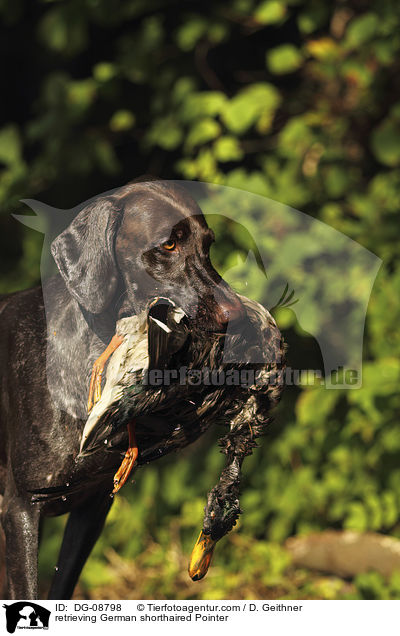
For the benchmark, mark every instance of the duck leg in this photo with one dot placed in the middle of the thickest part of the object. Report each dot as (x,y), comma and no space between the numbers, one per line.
(97,371)
(128,462)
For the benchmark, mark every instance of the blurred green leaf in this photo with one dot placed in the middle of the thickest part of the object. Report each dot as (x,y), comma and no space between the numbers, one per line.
(362,29)
(249,105)
(270,11)
(227,149)
(165,132)
(104,71)
(190,33)
(385,142)
(356,518)
(202,104)
(63,30)
(122,120)
(203,131)
(285,58)
(10,145)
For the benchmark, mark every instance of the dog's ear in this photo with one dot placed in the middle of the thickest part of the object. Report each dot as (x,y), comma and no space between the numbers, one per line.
(84,254)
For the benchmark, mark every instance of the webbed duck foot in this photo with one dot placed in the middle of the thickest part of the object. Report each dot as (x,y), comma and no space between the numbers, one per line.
(97,371)
(128,462)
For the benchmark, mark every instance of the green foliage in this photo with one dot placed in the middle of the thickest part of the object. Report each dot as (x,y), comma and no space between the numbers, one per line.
(296,101)
(270,12)
(122,120)
(284,59)
(252,105)
(386,139)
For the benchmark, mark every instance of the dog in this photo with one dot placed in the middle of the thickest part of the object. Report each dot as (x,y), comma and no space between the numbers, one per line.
(147,239)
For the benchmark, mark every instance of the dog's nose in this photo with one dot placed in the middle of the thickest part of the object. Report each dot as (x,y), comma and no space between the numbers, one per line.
(228,310)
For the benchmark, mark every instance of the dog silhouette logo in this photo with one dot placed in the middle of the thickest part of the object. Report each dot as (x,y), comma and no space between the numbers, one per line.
(26,615)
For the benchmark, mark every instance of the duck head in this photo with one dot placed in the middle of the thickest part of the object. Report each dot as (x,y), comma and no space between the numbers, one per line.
(220,515)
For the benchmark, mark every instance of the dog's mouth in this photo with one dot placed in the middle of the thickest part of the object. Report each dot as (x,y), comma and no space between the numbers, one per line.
(167,315)
(232,328)
(167,331)
(164,312)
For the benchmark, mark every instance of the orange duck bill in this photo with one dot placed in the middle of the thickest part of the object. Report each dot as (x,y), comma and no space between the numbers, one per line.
(201,556)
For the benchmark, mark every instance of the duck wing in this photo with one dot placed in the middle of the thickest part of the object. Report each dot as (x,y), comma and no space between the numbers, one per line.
(145,348)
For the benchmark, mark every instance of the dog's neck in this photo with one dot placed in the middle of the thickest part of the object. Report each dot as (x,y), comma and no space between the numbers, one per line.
(75,339)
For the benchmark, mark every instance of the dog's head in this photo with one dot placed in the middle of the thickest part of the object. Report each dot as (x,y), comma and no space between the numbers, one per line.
(145,240)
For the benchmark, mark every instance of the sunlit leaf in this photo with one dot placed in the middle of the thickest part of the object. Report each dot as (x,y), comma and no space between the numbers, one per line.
(270,11)
(227,149)
(362,29)
(249,105)
(122,120)
(285,58)
(10,144)
(385,142)
(203,131)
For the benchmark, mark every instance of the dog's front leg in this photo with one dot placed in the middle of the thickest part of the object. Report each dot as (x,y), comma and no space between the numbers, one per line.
(81,533)
(20,521)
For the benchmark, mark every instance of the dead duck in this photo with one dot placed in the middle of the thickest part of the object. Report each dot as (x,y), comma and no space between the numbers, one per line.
(141,342)
(245,406)
(203,388)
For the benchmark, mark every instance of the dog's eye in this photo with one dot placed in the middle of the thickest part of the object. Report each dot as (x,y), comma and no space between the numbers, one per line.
(169,245)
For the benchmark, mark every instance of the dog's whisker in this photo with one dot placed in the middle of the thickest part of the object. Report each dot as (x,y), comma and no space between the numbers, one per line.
(120,297)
